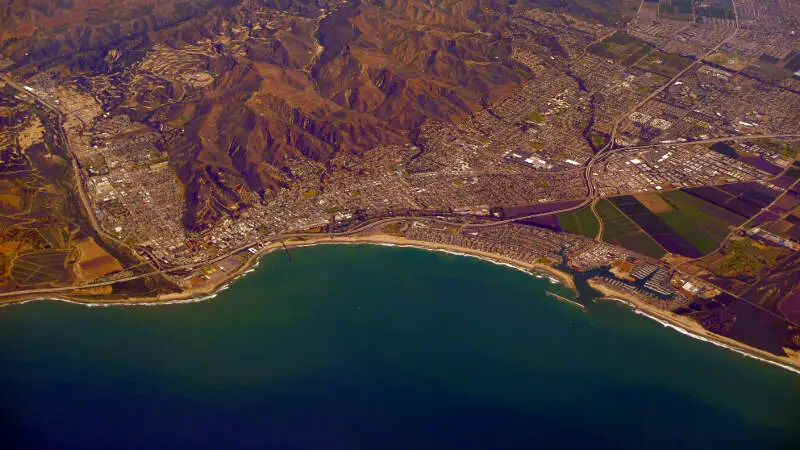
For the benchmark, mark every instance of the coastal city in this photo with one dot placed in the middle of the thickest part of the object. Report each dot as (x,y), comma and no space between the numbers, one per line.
(658,160)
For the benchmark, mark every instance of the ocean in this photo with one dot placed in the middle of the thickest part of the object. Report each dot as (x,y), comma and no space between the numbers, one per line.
(369,347)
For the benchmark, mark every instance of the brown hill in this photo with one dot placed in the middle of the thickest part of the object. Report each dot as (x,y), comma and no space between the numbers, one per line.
(266,80)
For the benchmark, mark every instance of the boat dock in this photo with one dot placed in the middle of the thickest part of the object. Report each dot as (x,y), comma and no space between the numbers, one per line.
(564,299)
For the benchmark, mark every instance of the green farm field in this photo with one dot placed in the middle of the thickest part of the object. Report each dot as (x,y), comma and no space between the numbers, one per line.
(621,47)
(664,64)
(580,222)
(620,230)
(711,219)
(690,230)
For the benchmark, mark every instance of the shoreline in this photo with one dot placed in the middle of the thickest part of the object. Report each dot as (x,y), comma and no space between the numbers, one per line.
(375,238)
(209,291)
(688,327)
(681,324)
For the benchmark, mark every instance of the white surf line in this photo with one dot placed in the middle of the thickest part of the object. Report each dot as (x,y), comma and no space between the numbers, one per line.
(532,272)
(535,273)
(441,250)
(112,303)
(686,332)
(718,344)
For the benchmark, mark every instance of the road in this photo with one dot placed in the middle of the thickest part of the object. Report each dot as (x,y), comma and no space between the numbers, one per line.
(590,199)
(740,137)
(679,266)
(613,135)
(275,238)
(600,225)
(77,173)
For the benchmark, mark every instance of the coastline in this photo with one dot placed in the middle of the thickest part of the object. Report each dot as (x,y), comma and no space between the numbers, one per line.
(374,238)
(210,290)
(682,324)
(687,326)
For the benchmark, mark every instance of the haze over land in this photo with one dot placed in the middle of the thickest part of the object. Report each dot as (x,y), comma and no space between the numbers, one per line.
(150,150)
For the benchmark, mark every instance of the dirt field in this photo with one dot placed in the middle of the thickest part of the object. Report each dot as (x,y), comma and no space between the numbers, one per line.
(31,135)
(13,247)
(10,204)
(94,262)
(654,203)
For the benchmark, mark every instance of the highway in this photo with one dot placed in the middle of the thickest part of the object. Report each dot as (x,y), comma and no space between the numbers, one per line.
(78,175)
(273,238)
(276,238)
(738,137)
(590,199)
(612,137)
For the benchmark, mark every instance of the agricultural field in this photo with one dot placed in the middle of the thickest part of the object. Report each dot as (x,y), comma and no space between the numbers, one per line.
(675,9)
(768,70)
(743,199)
(740,153)
(691,231)
(654,203)
(655,225)
(619,229)
(715,221)
(621,48)
(681,223)
(549,221)
(44,233)
(510,212)
(13,196)
(664,64)
(580,222)
(728,60)
(93,261)
(794,171)
(45,267)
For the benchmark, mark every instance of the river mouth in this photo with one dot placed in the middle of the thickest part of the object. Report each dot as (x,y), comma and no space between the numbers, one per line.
(368,346)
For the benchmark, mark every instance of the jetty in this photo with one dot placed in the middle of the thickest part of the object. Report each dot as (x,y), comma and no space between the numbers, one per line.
(566,300)
(286,249)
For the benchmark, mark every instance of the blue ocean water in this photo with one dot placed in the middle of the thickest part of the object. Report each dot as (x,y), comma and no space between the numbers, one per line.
(366,347)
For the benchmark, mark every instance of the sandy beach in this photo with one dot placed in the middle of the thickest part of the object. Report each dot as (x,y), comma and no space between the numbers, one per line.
(208,291)
(371,238)
(688,326)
